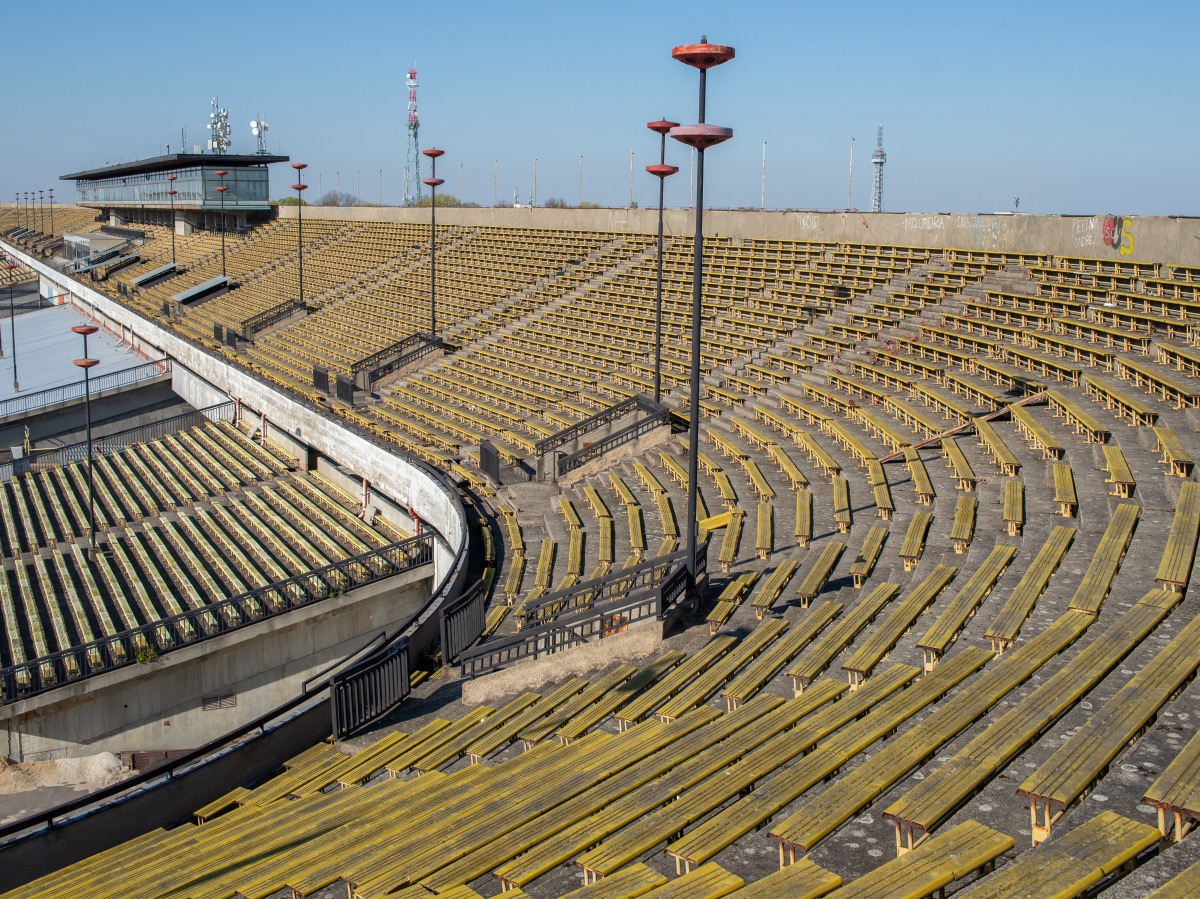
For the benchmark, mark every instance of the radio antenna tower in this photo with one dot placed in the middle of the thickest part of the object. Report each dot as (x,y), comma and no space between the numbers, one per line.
(218,124)
(878,158)
(412,161)
(259,129)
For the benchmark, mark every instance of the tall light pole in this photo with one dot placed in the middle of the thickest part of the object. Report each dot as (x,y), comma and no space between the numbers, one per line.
(12,323)
(52,210)
(699,137)
(763,202)
(495,196)
(580,180)
(42,211)
(17,203)
(534,203)
(662,171)
(299,187)
(221,188)
(433,181)
(171,193)
(631,177)
(86,364)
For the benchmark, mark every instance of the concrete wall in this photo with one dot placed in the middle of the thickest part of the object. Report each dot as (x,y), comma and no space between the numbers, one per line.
(66,417)
(159,705)
(409,482)
(1168,240)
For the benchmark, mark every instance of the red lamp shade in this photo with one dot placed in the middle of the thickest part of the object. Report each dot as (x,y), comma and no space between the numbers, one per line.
(662,171)
(221,173)
(299,187)
(171,177)
(222,189)
(701,137)
(662,126)
(85,330)
(172,193)
(433,153)
(433,182)
(85,363)
(299,165)
(702,55)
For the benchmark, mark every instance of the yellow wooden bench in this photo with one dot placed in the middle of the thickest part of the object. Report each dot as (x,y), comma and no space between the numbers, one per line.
(1171,452)
(1064,489)
(914,539)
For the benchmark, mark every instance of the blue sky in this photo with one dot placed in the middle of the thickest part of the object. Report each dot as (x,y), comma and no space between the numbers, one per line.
(1077,107)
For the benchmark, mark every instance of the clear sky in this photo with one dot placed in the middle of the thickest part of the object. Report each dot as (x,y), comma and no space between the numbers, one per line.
(1077,107)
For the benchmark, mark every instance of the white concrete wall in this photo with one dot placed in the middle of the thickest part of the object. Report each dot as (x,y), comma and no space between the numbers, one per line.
(159,705)
(1169,240)
(408,482)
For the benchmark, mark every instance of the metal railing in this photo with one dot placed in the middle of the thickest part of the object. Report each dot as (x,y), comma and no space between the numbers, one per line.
(369,689)
(23,405)
(601,419)
(77,452)
(628,434)
(425,345)
(604,619)
(145,643)
(462,621)
(376,359)
(612,585)
(269,317)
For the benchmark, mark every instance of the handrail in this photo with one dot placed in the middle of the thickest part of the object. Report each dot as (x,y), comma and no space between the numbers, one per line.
(269,317)
(604,618)
(425,346)
(599,420)
(607,585)
(140,644)
(25,404)
(75,452)
(627,434)
(370,362)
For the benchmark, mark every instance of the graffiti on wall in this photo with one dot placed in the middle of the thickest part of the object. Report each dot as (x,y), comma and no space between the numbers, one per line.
(1118,234)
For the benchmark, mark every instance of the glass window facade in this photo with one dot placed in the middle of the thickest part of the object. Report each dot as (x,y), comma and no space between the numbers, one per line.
(195,187)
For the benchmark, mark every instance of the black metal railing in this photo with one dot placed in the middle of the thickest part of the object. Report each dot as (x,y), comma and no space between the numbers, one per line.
(604,618)
(628,434)
(462,621)
(425,345)
(369,689)
(376,359)
(269,317)
(613,585)
(76,452)
(145,643)
(601,419)
(23,405)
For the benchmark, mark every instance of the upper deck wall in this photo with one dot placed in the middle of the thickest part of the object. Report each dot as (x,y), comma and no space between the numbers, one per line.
(1167,240)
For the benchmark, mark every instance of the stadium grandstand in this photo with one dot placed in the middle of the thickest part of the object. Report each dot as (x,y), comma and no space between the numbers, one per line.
(944,638)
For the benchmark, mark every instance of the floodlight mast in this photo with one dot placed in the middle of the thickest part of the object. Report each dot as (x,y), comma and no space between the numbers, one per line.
(878,158)
(412,159)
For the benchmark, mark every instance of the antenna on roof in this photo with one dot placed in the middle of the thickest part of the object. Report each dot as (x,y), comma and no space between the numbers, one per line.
(218,124)
(259,129)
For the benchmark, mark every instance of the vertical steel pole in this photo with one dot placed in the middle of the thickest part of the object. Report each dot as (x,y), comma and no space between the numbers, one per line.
(694,392)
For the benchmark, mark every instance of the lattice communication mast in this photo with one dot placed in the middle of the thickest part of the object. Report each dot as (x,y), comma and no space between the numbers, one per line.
(218,124)
(412,161)
(878,158)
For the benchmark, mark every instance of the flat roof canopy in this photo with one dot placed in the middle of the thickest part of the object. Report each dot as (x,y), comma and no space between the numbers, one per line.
(173,161)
